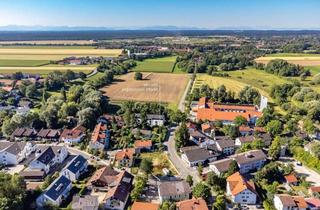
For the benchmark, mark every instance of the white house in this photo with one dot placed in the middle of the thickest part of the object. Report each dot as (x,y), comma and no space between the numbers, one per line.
(225,146)
(75,168)
(153,119)
(240,190)
(12,153)
(47,156)
(174,190)
(288,202)
(56,192)
(251,160)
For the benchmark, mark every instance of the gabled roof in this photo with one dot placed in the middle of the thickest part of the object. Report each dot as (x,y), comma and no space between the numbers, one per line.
(104,175)
(250,156)
(246,139)
(16,147)
(315,189)
(225,143)
(46,155)
(99,133)
(292,201)
(172,188)
(142,143)
(291,178)
(222,165)
(238,184)
(144,206)
(198,154)
(122,188)
(125,154)
(76,164)
(192,204)
(74,133)
(313,202)
(57,188)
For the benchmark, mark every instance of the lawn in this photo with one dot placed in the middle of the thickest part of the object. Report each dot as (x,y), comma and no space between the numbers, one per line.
(160,161)
(160,65)
(23,63)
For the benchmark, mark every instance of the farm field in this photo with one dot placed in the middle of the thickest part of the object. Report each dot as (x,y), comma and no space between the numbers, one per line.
(52,53)
(44,70)
(164,65)
(49,42)
(295,58)
(157,87)
(23,63)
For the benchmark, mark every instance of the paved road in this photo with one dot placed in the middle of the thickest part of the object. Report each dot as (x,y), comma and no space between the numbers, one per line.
(182,168)
(311,176)
(86,155)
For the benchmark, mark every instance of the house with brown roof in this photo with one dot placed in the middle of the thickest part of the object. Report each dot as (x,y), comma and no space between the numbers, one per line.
(225,146)
(313,203)
(142,145)
(73,136)
(174,190)
(117,196)
(208,129)
(240,190)
(100,137)
(314,190)
(125,157)
(49,134)
(102,179)
(221,166)
(226,113)
(23,133)
(244,140)
(286,202)
(144,206)
(192,204)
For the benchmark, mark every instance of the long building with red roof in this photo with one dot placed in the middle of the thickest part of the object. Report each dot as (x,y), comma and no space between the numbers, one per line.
(209,110)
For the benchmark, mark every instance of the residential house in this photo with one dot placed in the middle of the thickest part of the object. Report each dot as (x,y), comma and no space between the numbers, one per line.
(240,190)
(247,161)
(142,145)
(103,179)
(226,113)
(251,160)
(247,130)
(225,146)
(23,133)
(152,119)
(208,129)
(144,206)
(125,157)
(48,156)
(56,192)
(12,153)
(288,202)
(314,190)
(117,197)
(33,175)
(313,203)
(174,190)
(75,168)
(49,134)
(85,202)
(197,155)
(291,179)
(192,204)
(100,137)
(199,138)
(109,119)
(244,140)
(73,136)
(221,166)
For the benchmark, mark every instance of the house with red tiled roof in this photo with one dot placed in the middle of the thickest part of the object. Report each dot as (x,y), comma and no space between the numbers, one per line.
(144,206)
(291,179)
(100,137)
(73,136)
(313,203)
(192,204)
(314,190)
(125,157)
(226,113)
(142,145)
(240,190)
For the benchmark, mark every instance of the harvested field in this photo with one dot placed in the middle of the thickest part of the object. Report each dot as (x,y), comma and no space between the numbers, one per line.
(45,69)
(157,87)
(50,42)
(303,60)
(53,53)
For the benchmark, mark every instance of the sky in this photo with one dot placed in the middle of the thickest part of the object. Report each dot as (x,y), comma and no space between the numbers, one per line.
(211,14)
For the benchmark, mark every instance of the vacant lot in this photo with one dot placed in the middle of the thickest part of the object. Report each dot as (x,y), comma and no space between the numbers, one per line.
(295,58)
(52,53)
(160,161)
(157,87)
(165,65)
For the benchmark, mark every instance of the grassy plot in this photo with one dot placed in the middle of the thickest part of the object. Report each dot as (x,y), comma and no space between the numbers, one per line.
(160,161)
(164,64)
(23,63)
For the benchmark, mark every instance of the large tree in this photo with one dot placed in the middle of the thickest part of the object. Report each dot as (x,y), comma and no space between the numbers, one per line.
(181,136)
(201,190)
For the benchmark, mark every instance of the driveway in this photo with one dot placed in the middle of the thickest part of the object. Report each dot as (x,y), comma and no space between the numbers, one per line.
(182,168)
(311,176)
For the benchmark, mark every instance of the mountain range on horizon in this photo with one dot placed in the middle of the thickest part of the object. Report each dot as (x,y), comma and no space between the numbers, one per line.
(105,28)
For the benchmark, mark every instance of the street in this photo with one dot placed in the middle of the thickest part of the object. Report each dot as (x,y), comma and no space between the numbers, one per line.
(182,168)
(311,176)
